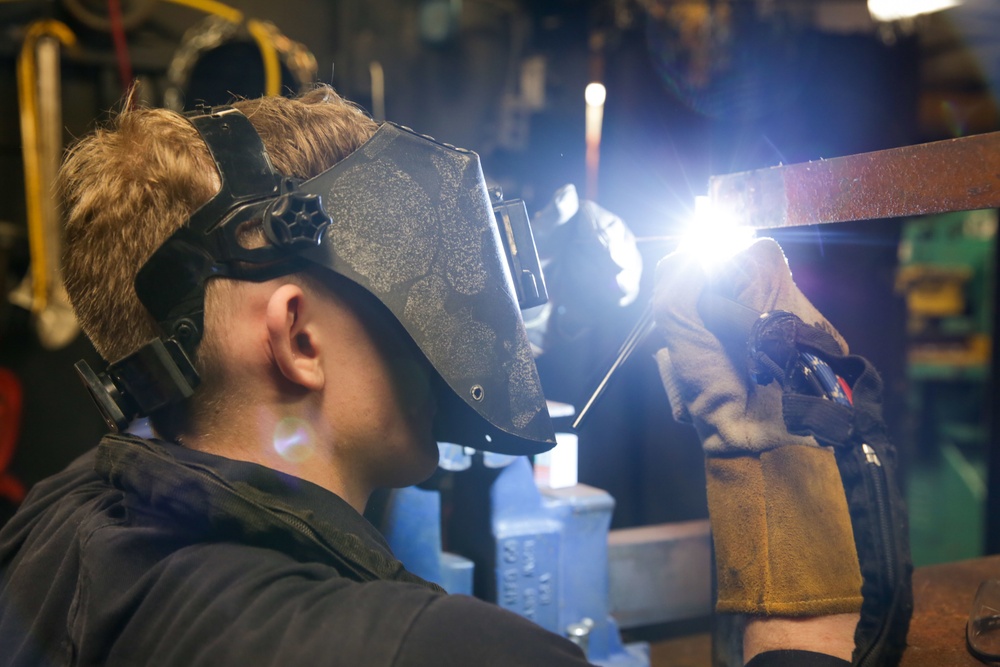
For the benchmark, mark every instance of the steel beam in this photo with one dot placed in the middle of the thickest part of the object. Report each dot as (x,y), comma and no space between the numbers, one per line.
(953,175)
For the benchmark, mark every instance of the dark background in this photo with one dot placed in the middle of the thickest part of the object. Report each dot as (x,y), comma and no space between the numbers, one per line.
(757,84)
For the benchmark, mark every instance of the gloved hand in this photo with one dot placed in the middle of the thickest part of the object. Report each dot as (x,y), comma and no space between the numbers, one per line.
(592,264)
(589,250)
(706,382)
(782,531)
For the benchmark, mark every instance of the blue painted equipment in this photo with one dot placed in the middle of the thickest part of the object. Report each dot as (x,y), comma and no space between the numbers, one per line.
(539,553)
(412,526)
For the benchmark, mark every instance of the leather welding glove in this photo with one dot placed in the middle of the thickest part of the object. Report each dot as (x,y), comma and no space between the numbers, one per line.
(783,535)
(592,264)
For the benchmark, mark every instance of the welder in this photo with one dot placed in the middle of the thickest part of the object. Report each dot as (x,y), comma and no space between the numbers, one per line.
(303,302)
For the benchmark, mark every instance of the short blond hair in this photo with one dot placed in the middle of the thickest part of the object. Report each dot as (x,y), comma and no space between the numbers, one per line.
(127,187)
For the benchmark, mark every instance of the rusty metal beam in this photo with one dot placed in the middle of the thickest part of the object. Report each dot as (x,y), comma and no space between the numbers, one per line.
(953,175)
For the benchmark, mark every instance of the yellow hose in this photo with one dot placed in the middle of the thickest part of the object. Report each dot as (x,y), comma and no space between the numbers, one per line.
(30,146)
(269,54)
(28,106)
(212,7)
(258,31)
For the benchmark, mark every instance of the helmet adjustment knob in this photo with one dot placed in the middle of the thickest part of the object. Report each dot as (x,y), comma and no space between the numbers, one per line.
(297,219)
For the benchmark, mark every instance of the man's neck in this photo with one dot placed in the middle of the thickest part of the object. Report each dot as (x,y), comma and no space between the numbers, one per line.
(289,445)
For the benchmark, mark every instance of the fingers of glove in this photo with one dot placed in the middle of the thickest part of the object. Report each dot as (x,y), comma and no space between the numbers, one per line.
(760,278)
(678,405)
(594,262)
(619,242)
(730,413)
(757,277)
(564,205)
(693,366)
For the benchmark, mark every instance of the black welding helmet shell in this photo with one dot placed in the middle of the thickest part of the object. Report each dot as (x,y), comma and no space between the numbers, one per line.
(413,224)
(410,220)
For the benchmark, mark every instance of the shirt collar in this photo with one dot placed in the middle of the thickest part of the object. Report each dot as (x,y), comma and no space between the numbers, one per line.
(213,495)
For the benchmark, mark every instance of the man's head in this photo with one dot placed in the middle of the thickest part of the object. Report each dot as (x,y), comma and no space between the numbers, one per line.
(128,187)
(403,223)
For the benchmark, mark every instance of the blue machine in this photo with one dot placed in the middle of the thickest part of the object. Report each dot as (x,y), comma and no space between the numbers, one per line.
(412,526)
(540,553)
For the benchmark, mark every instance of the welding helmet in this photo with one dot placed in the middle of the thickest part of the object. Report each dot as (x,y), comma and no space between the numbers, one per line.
(406,218)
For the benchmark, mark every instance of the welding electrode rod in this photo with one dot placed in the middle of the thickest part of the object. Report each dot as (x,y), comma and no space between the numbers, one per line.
(638,334)
(723,316)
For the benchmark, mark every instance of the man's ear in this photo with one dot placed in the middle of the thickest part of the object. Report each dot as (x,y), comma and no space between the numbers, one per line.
(291,334)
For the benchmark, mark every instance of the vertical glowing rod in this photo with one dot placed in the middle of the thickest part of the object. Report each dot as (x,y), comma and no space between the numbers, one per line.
(378,89)
(594,96)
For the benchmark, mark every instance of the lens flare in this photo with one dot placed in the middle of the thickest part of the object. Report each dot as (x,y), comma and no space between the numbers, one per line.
(952,118)
(713,235)
(294,439)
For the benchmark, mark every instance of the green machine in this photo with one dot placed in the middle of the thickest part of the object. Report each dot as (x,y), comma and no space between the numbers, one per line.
(946,274)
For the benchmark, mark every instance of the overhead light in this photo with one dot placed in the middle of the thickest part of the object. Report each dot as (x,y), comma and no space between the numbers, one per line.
(595,94)
(894,10)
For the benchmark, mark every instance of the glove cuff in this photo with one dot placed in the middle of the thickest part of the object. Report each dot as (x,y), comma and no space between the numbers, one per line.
(783,538)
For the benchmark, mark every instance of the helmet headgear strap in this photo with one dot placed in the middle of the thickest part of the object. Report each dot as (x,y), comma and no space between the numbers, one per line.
(171,284)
